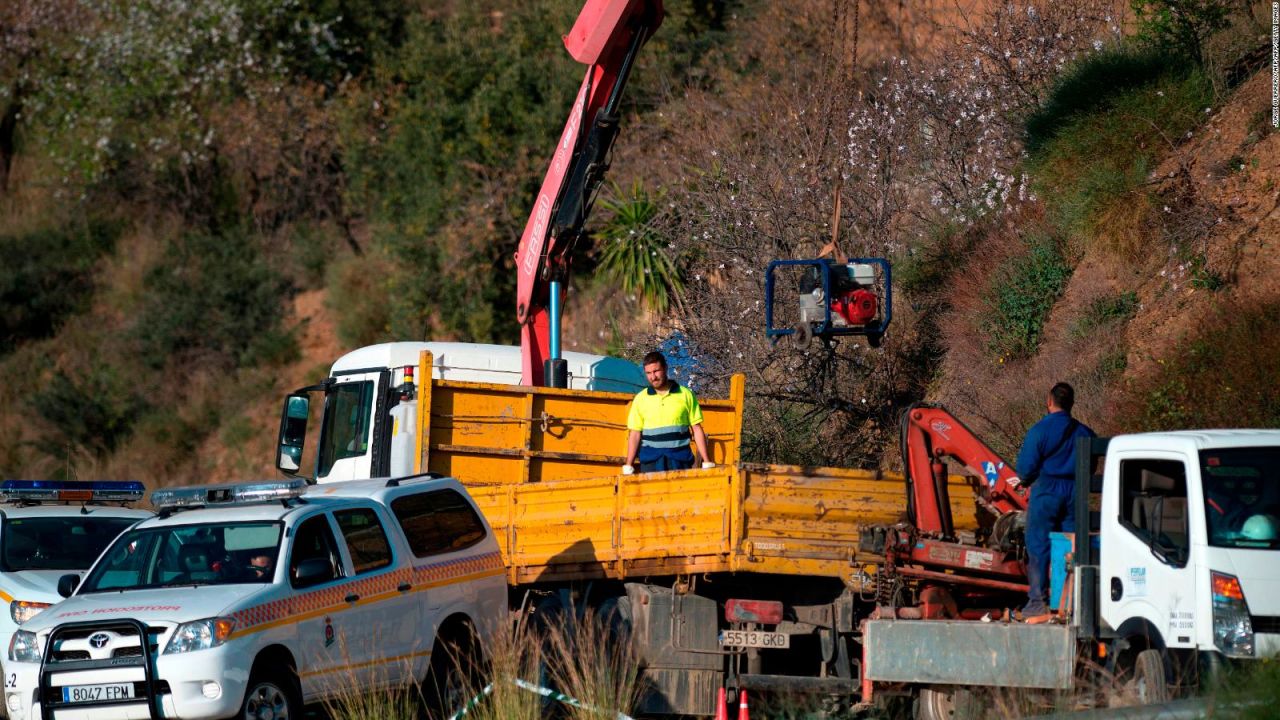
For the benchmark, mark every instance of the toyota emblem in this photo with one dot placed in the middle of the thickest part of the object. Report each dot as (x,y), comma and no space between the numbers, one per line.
(99,640)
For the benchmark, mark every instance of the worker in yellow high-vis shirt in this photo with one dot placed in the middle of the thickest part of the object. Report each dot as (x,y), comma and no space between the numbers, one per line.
(662,420)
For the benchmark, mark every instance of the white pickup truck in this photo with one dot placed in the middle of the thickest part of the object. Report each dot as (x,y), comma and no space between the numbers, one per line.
(252,600)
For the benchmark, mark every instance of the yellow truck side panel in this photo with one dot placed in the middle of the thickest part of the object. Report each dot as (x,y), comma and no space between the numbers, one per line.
(542,463)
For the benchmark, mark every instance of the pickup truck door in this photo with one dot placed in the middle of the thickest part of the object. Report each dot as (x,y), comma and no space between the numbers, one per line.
(1148,581)
(384,614)
(321,631)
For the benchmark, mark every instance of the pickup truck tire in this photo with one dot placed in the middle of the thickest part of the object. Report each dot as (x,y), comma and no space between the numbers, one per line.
(454,673)
(272,695)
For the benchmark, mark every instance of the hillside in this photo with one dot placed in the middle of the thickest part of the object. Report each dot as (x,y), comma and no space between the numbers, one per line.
(185,251)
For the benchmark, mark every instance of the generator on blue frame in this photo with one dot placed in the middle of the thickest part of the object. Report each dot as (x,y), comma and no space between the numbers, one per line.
(827,299)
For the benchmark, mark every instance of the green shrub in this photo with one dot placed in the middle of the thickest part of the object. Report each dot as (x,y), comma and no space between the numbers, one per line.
(212,298)
(1092,164)
(634,254)
(47,276)
(1020,301)
(1180,25)
(1106,310)
(93,410)
(1221,376)
(1092,84)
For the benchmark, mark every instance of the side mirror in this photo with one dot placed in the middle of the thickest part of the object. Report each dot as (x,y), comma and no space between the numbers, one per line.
(67,585)
(312,571)
(293,432)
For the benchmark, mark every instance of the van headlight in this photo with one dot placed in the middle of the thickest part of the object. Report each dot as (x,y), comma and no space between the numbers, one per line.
(23,647)
(200,635)
(23,610)
(1232,628)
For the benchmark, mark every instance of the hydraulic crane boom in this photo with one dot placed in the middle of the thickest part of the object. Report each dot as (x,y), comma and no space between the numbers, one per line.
(929,434)
(606,38)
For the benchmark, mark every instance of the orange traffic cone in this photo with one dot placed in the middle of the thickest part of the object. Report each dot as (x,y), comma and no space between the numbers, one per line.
(722,712)
(742,706)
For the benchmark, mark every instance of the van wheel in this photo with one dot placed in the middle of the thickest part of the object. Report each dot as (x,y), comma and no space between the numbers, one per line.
(1149,683)
(272,696)
(947,702)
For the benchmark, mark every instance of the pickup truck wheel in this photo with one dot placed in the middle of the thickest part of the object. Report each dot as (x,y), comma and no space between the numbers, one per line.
(271,696)
(452,675)
(946,702)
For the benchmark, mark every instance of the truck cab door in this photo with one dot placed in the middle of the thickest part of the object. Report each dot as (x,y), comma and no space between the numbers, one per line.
(352,435)
(1148,583)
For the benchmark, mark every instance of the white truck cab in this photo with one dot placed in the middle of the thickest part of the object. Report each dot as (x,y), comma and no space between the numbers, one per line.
(369,417)
(49,529)
(252,600)
(1190,557)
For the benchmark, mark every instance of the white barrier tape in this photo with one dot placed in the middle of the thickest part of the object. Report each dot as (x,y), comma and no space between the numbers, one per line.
(537,690)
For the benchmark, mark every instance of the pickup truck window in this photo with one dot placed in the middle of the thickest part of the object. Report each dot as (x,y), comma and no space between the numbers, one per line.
(346,431)
(314,541)
(366,540)
(1153,506)
(437,522)
(57,543)
(205,554)
(1241,496)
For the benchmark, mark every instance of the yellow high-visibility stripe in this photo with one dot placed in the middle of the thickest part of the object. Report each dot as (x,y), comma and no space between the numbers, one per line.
(367,663)
(340,607)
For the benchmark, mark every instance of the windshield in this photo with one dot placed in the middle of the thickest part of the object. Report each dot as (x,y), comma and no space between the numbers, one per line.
(1242,496)
(210,554)
(57,543)
(345,433)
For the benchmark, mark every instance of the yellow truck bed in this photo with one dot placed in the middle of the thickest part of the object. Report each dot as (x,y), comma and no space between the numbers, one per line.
(543,465)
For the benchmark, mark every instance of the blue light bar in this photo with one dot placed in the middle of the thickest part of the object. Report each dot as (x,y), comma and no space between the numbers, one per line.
(202,495)
(71,490)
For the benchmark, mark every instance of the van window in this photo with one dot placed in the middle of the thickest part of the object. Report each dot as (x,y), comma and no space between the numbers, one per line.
(366,540)
(1153,506)
(437,522)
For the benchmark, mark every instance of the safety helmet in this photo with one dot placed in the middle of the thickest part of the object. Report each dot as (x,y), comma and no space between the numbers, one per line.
(1260,527)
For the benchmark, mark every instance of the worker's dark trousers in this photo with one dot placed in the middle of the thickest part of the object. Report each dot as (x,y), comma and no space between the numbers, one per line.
(1052,508)
(666,462)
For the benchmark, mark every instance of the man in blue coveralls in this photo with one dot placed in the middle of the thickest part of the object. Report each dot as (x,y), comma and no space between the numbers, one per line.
(1047,465)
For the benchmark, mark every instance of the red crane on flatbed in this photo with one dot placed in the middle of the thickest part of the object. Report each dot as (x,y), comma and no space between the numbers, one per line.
(606,38)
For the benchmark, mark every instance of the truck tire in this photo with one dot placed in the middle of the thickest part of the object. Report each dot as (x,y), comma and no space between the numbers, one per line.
(1149,683)
(947,702)
(273,694)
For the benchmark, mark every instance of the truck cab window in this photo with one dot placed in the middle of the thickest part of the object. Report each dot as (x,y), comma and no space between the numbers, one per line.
(314,541)
(437,522)
(366,540)
(1242,496)
(1154,506)
(346,423)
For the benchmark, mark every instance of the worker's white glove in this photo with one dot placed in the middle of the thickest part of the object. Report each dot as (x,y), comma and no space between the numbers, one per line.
(1014,482)
(628,469)
(707,465)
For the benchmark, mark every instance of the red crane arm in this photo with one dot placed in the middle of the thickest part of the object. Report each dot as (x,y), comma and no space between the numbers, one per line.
(929,434)
(606,37)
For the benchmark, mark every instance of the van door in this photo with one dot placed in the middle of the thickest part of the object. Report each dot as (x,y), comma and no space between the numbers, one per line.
(352,445)
(1148,582)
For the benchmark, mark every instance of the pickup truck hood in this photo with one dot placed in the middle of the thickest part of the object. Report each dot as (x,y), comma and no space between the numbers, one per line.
(1258,572)
(160,605)
(34,585)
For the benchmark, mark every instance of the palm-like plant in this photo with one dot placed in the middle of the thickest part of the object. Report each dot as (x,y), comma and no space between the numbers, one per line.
(634,253)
